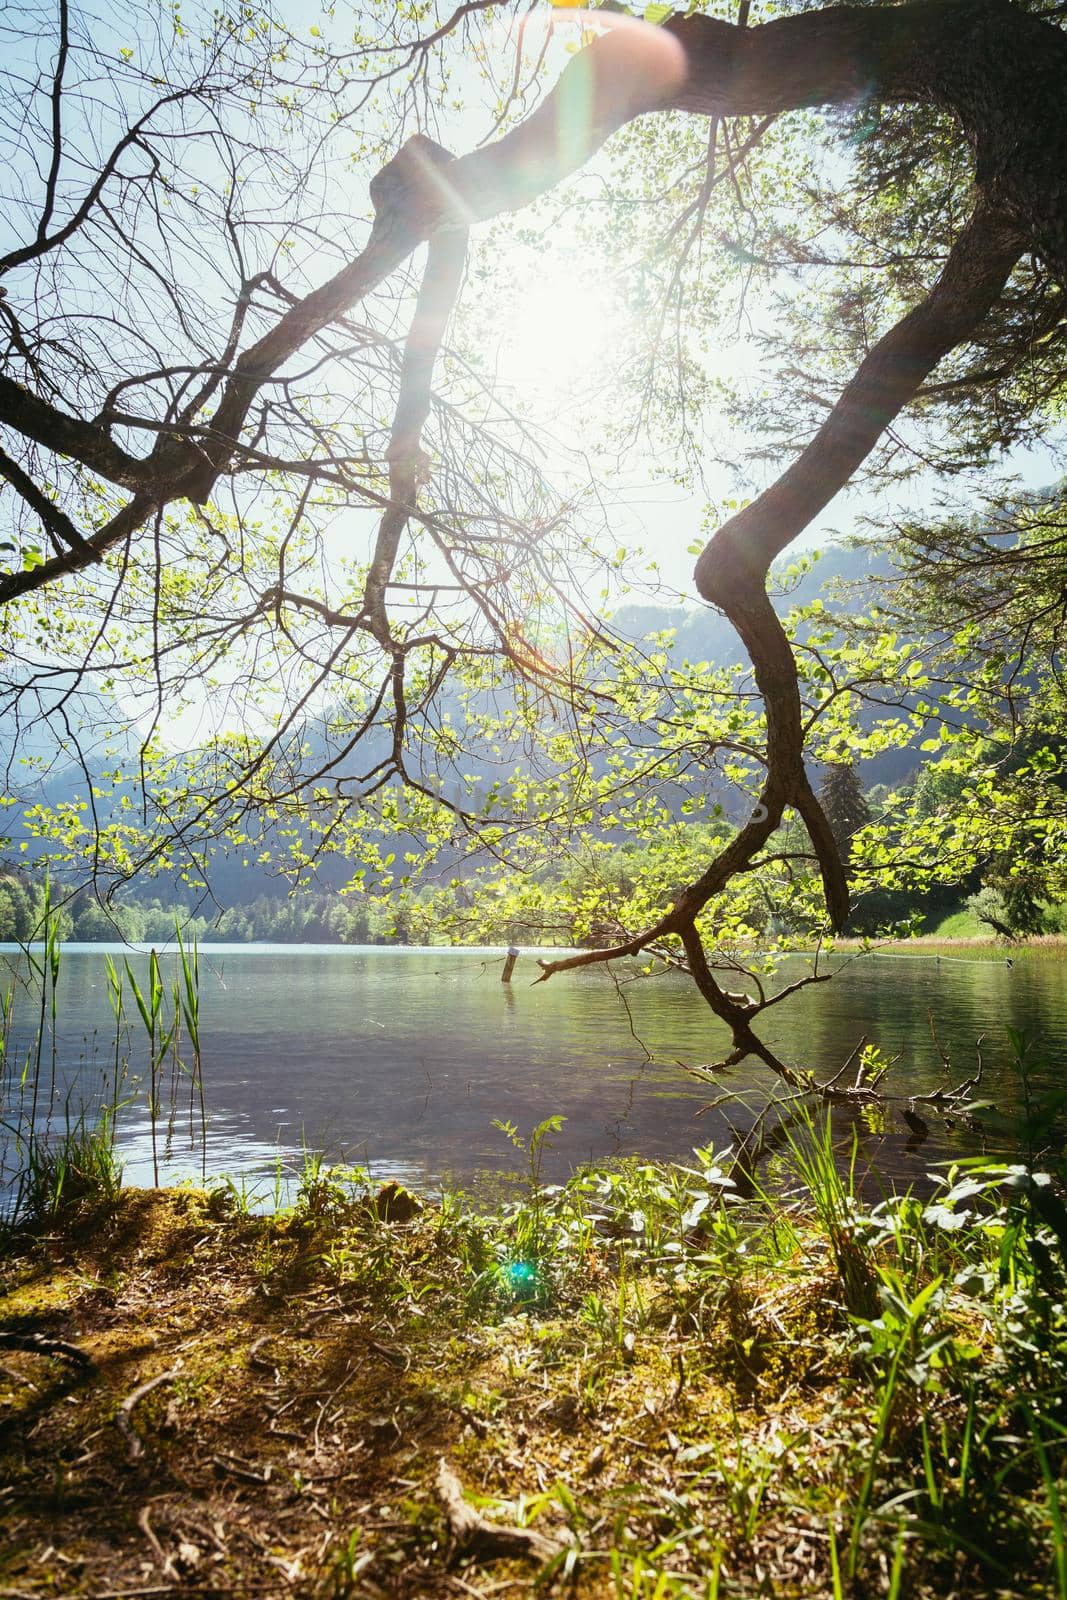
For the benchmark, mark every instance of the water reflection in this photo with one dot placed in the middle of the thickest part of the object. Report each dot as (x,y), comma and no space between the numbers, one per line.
(401,1059)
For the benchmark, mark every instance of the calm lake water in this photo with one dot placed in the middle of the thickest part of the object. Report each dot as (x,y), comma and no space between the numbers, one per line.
(401,1059)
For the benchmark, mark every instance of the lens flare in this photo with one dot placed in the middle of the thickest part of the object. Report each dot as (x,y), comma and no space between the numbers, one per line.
(521,1278)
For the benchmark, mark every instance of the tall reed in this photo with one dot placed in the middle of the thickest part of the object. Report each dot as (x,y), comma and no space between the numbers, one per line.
(57,1143)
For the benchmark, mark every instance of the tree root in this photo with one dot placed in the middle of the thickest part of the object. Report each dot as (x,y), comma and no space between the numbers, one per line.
(476,1535)
(37,1344)
(124,1415)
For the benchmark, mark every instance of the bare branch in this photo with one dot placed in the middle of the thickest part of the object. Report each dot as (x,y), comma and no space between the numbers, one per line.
(54,518)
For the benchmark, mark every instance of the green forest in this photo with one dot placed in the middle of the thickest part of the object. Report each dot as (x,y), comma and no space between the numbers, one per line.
(566,507)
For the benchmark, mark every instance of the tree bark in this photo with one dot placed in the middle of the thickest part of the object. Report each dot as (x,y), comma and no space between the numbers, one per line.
(977,268)
(1002,72)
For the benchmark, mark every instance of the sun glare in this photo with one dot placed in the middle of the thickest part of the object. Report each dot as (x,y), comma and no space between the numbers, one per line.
(562,329)
(559,338)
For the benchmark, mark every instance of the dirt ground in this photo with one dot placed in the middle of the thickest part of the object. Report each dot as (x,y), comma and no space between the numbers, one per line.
(195,1403)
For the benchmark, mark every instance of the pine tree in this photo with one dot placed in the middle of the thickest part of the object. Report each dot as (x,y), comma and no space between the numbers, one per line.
(845,805)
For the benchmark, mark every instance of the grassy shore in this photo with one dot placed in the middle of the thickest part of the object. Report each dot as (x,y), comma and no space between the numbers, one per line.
(640,1386)
(981,947)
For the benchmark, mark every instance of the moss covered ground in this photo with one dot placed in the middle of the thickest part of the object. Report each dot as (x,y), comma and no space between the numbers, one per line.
(639,1386)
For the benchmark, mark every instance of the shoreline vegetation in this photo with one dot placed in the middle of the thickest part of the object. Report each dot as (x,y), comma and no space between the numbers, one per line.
(931,943)
(454,917)
(924,943)
(639,1386)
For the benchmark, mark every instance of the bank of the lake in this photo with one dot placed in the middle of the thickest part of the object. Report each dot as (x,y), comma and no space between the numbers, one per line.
(636,1386)
(1036,946)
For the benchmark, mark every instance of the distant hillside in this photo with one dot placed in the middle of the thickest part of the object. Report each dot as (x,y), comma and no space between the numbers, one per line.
(56,773)
(703,634)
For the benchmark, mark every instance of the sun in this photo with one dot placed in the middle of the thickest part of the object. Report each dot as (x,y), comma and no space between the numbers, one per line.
(560,335)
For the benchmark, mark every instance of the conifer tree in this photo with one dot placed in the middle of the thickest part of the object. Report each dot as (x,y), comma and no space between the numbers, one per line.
(845,804)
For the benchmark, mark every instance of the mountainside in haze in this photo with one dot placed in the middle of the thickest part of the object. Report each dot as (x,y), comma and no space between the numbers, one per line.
(49,759)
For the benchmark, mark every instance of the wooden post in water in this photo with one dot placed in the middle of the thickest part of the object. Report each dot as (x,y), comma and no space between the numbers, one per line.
(509,963)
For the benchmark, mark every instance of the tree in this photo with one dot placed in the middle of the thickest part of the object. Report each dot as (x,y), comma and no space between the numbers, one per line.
(178,441)
(842,799)
(16,910)
(987,594)
(8,916)
(1007,921)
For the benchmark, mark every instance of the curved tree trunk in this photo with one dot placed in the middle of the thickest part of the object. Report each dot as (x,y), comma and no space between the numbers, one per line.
(1001,71)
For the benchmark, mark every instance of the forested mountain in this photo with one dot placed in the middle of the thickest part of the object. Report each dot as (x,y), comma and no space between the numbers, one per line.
(57,760)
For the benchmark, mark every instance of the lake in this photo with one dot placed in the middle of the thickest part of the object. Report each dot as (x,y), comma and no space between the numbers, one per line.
(401,1059)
